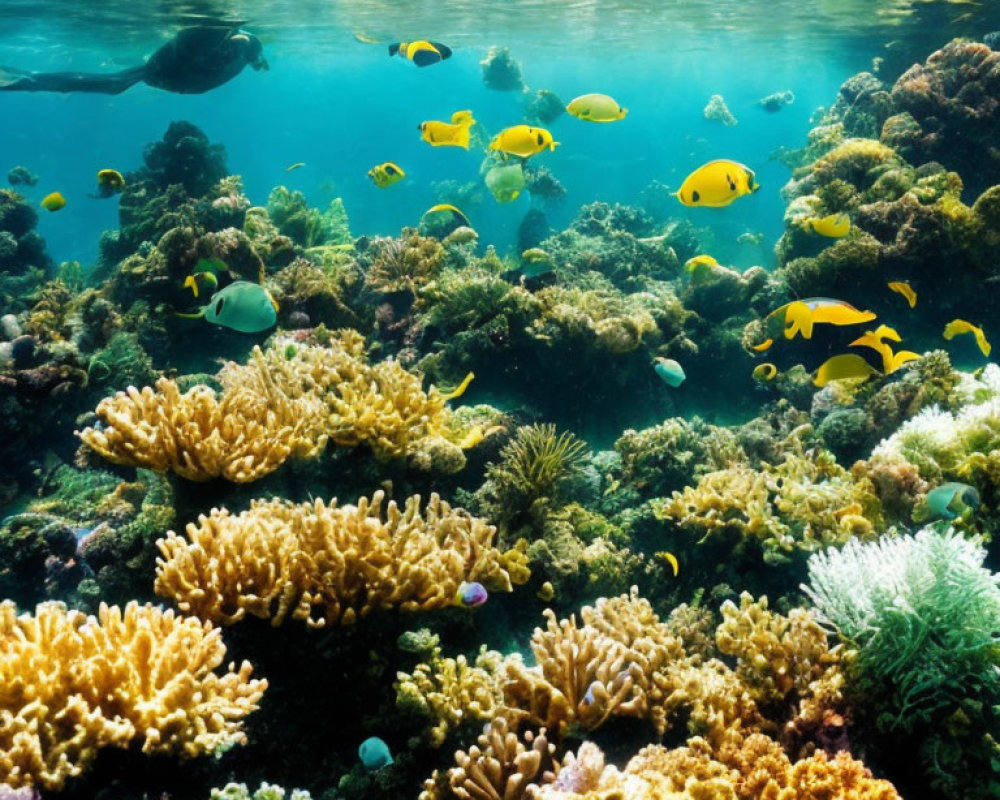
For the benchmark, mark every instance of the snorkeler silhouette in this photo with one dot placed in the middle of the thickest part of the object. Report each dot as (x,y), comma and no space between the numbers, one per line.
(194,61)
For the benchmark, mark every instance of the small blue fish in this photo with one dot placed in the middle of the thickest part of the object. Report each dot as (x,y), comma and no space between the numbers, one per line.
(589,699)
(374,754)
(951,500)
(670,372)
(471,594)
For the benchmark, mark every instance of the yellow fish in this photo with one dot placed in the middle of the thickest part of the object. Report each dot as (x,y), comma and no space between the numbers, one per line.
(449,208)
(386,174)
(765,372)
(844,367)
(903,288)
(799,316)
(890,361)
(454,133)
(110,178)
(53,202)
(955,327)
(421,52)
(698,264)
(523,140)
(670,558)
(717,183)
(833,225)
(295,166)
(596,108)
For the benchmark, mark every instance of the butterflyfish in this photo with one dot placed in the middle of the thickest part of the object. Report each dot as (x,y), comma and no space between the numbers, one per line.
(471,594)
(295,166)
(242,306)
(421,52)
(671,559)
(765,372)
(670,372)
(951,500)
(523,141)
(448,134)
(957,326)
(448,208)
(903,288)
(53,202)
(799,316)
(844,367)
(833,226)
(596,108)
(505,182)
(109,182)
(699,264)
(386,174)
(716,184)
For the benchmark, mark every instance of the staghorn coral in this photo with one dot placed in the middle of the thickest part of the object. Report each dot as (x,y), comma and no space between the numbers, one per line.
(72,684)
(503,764)
(803,503)
(381,405)
(323,563)
(536,462)
(449,691)
(246,433)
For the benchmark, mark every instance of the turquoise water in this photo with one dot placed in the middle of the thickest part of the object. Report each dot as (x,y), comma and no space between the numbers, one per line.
(693,492)
(342,106)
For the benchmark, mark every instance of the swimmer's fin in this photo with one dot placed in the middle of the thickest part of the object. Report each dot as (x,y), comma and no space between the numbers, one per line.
(19,80)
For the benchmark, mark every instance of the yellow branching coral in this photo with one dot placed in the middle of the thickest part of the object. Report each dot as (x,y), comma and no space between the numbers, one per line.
(786,664)
(502,766)
(381,405)
(582,677)
(246,433)
(324,563)
(450,690)
(806,502)
(404,264)
(71,684)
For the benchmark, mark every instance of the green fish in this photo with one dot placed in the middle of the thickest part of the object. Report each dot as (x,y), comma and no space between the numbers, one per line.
(505,182)
(243,306)
(951,500)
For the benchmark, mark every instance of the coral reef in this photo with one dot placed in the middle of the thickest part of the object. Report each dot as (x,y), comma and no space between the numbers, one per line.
(74,684)
(501,71)
(717,110)
(323,563)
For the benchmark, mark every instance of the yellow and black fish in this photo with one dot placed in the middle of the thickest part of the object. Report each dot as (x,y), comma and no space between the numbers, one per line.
(109,182)
(423,53)
(717,183)
(455,133)
(386,174)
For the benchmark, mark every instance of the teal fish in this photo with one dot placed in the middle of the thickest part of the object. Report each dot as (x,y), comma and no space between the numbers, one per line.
(670,372)
(243,306)
(951,500)
(374,753)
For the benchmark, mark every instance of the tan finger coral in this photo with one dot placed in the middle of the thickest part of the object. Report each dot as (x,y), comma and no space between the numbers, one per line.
(381,405)
(502,766)
(448,691)
(71,684)
(324,563)
(246,433)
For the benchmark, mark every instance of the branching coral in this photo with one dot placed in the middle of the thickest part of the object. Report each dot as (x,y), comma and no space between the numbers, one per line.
(71,684)
(803,503)
(502,765)
(324,563)
(381,405)
(450,691)
(243,435)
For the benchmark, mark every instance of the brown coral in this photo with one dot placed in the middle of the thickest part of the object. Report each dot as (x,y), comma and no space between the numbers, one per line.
(324,563)
(71,684)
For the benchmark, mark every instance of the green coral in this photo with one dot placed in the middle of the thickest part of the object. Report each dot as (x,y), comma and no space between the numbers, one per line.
(308,227)
(266,791)
(922,612)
